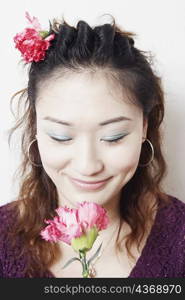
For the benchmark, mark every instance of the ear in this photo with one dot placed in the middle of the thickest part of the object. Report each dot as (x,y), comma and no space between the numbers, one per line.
(145,127)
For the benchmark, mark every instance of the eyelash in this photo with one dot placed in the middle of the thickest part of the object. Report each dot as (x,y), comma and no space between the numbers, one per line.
(115,140)
(109,141)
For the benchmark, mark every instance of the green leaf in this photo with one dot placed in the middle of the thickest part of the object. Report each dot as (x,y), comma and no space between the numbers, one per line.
(94,255)
(43,34)
(70,261)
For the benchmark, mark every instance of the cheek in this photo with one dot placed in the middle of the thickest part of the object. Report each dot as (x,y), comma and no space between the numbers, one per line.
(52,156)
(125,159)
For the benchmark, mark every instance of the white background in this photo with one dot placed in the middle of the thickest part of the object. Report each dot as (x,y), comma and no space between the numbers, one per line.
(160,26)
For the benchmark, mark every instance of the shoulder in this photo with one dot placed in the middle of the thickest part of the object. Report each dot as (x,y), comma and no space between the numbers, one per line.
(11,263)
(171,217)
(8,214)
(171,234)
(6,209)
(174,212)
(177,204)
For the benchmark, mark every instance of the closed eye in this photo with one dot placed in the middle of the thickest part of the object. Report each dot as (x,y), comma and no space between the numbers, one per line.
(114,140)
(60,140)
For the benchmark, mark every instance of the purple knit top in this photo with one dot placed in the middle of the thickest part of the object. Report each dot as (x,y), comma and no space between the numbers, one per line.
(162,256)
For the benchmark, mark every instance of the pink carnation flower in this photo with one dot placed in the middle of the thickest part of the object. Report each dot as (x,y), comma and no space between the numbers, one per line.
(78,228)
(73,223)
(91,214)
(33,42)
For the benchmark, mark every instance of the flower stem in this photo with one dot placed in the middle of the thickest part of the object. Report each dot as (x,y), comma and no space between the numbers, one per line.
(85,271)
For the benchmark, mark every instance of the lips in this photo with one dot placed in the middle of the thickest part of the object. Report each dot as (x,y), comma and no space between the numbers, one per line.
(90,182)
(89,185)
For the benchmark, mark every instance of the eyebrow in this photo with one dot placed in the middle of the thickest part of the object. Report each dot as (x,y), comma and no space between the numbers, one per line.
(114,120)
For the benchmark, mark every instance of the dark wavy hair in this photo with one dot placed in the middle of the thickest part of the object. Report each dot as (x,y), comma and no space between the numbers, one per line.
(76,49)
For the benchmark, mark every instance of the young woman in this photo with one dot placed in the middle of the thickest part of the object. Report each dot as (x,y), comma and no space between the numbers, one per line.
(93,109)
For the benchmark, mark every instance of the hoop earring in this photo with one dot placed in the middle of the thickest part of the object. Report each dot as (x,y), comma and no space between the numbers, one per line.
(152,157)
(28,152)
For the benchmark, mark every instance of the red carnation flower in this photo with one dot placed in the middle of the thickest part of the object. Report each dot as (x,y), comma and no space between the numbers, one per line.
(33,42)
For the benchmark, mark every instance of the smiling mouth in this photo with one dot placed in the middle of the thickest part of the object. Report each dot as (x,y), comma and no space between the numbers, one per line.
(89,185)
(90,182)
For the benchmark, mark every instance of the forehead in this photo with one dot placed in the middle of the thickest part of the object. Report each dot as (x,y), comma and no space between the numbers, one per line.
(84,95)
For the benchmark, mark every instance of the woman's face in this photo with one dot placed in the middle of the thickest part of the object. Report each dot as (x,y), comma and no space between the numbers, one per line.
(87,131)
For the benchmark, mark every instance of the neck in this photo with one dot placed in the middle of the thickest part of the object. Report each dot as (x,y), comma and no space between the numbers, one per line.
(107,238)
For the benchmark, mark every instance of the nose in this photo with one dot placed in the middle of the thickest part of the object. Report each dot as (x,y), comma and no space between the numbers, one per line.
(87,161)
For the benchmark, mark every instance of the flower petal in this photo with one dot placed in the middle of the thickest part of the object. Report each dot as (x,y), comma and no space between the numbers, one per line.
(33,21)
(93,214)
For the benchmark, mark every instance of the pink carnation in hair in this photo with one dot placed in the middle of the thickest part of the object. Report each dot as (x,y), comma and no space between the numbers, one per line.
(33,21)
(31,43)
